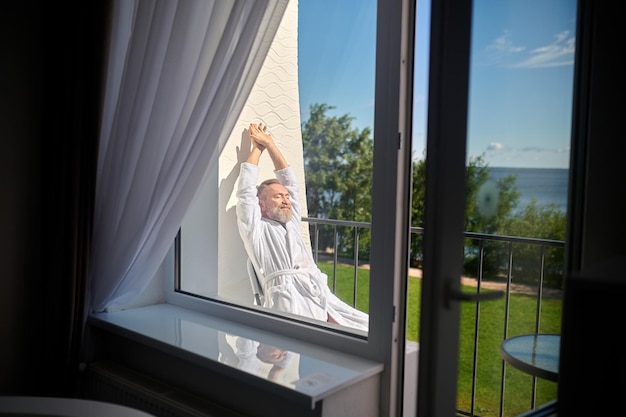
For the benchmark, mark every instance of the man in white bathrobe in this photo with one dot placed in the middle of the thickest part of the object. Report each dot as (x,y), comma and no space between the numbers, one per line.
(269,218)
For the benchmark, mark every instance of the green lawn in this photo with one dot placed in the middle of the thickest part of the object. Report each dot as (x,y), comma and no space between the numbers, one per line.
(522,311)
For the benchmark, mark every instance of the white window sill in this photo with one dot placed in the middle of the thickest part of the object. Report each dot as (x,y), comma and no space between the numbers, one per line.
(193,335)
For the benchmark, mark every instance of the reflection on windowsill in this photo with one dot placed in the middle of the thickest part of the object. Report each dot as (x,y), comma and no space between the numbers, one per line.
(301,367)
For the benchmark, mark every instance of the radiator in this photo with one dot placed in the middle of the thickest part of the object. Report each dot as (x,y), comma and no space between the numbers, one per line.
(113,383)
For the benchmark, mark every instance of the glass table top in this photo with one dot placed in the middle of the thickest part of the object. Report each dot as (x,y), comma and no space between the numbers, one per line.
(535,354)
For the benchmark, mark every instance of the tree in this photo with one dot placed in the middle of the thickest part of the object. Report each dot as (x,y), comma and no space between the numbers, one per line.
(533,221)
(356,178)
(418,195)
(324,141)
(477,176)
(338,162)
(505,193)
(541,222)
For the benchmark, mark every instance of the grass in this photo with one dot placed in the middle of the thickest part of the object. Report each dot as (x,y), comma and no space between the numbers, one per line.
(489,365)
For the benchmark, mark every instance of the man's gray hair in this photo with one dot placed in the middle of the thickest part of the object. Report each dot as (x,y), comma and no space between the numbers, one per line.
(261,187)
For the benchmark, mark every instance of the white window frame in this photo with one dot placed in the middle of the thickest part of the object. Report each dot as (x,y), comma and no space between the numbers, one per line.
(390,222)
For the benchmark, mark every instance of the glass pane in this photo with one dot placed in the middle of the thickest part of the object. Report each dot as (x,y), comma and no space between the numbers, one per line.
(420,103)
(316,94)
(520,106)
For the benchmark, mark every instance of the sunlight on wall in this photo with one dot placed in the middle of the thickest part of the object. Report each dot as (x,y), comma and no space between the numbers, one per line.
(274,100)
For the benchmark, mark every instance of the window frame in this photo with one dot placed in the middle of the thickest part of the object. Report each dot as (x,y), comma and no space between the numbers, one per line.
(390,228)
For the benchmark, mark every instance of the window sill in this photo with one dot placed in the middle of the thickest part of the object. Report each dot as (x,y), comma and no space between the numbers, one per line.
(201,339)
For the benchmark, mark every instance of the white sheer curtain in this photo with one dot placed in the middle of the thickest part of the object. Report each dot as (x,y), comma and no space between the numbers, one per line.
(178,74)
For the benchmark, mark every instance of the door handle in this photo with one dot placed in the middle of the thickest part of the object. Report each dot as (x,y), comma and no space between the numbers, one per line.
(453,294)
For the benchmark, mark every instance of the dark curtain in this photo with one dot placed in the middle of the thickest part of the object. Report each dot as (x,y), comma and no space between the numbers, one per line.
(73,42)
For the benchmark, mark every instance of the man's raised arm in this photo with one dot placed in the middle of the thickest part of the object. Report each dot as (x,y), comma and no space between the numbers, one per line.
(261,140)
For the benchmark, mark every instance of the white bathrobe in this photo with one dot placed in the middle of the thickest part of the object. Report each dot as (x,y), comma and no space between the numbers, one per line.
(291,280)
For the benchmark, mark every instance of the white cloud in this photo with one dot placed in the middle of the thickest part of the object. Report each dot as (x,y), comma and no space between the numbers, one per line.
(533,149)
(500,147)
(560,52)
(541,149)
(503,45)
(495,146)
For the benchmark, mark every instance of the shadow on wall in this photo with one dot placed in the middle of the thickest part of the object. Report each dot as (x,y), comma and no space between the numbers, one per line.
(230,244)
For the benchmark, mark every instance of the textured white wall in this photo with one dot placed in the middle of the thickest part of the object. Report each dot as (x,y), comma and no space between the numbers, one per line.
(274,100)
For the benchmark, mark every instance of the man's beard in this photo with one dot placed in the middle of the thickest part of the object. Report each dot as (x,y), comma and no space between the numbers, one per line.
(279,214)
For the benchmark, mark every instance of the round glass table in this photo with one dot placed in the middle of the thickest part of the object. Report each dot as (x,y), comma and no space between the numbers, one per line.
(535,354)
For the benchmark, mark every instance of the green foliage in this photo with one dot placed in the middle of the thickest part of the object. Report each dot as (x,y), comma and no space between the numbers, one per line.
(477,175)
(543,222)
(491,318)
(338,161)
(508,199)
(338,165)
(323,142)
(534,221)
(418,189)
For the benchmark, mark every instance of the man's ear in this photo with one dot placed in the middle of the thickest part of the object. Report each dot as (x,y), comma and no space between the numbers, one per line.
(262,205)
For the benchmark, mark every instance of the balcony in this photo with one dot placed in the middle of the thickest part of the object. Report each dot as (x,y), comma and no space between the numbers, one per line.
(528,271)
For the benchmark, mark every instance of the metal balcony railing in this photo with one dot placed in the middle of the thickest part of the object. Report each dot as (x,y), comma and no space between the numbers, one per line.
(333,235)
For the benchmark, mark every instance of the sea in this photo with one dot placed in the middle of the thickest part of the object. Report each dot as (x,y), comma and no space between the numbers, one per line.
(547,185)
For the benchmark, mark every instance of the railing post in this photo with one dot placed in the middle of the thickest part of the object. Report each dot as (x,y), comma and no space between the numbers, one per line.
(540,289)
(483,249)
(356,265)
(335,258)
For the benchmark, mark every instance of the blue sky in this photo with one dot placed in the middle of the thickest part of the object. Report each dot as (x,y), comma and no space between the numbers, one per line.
(520,78)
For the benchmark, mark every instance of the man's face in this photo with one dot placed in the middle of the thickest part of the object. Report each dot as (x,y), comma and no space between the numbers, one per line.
(275,203)
(270,354)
